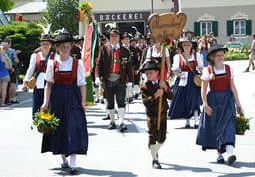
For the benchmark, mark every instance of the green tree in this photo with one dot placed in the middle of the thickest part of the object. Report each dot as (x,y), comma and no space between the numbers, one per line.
(6,5)
(63,14)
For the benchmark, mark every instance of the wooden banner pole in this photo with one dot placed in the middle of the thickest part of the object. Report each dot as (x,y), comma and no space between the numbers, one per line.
(162,72)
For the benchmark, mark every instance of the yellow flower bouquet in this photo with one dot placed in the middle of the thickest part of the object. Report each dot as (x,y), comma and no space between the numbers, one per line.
(242,124)
(45,122)
(86,8)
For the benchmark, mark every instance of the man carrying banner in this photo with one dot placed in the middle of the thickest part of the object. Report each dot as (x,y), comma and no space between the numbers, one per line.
(114,66)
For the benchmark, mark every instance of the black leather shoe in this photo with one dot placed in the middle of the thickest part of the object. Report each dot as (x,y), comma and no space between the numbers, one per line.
(14,102)
(156,164)
(195,126)
(247,70)
(97,101)
(220,160)
(73,171)
(102,101)
(136,96)
(231,159)
(65,165)
(187,126)
(111,126)
(106,118)
(123,127)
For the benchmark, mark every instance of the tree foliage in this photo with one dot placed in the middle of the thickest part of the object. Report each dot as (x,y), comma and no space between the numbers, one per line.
(63,14)
(6,5)
(25,37)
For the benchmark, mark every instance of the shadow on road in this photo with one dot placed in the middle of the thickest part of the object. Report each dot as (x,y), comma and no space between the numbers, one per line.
(187,168)
(94,172)
(238,174)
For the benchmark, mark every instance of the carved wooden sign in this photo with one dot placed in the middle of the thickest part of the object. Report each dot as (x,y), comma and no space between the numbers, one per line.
(167,25)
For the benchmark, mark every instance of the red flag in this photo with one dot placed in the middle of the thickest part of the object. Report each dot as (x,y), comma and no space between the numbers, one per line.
(86,50)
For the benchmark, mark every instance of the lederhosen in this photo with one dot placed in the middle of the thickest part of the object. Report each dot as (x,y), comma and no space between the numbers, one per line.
(116,87)
(151,105)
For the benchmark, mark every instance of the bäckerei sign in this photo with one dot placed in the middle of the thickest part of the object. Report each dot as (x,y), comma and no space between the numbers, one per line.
(129,16)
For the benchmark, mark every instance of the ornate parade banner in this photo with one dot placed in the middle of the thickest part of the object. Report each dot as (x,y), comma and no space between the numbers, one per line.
(165,28)
(90,38)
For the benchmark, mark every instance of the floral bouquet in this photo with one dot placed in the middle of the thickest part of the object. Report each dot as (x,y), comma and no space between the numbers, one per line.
(45,122)
(242,124)
(86,8)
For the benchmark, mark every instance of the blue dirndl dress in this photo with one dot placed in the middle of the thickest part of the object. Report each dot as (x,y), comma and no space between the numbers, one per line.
(186,99)
(71,137)
(217,131)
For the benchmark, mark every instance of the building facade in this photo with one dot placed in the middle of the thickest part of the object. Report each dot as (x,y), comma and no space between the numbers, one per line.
(222,17)
(127,13)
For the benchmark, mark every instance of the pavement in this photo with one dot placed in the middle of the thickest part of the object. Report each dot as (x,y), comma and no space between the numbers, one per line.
(115,154)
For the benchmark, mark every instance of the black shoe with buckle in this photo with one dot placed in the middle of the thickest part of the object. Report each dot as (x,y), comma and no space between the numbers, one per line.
(123,127)
(220,159)
(156,164)
(111,126)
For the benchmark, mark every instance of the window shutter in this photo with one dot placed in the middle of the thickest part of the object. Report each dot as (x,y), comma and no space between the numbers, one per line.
(215,28)
(230,27)
(197,28)
(248,27)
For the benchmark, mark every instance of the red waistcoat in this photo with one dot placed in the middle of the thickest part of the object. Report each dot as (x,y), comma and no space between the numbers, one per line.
(115,65)
(185,67)
(39,62)
(221,81)
(67,78)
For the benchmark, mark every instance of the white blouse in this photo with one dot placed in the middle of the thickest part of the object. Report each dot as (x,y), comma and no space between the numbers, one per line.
(206,75)
(155,53)
(176,61)
(66,66)
(31,71)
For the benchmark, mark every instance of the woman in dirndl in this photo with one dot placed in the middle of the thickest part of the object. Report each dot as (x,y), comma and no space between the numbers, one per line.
(154,53)
(37,67)
(217,127)
(65,94)
(187,98)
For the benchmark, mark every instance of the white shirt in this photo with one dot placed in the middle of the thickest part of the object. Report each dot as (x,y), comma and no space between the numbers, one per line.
(65,66)
(155,53)
(176,62)
(31,71)
(206,75)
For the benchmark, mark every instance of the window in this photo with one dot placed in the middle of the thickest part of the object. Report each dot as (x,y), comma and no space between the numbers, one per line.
(239,27)
(205,28)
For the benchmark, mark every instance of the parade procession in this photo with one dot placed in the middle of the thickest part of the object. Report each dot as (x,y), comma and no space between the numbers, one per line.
(127,89)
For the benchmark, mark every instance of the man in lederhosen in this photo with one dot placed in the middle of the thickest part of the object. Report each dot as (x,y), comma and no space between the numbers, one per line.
(114,66)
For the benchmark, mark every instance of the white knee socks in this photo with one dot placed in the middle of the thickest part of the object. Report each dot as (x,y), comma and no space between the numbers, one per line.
(196,118)
(153,149)
(112,115)
(230,149)
(73,161)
